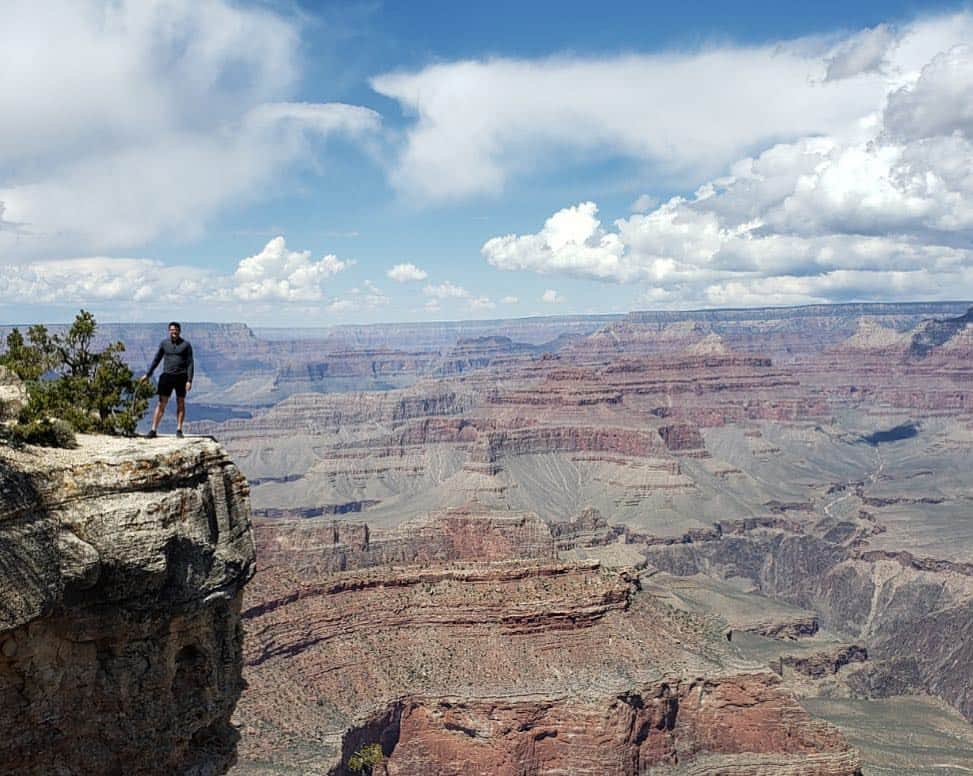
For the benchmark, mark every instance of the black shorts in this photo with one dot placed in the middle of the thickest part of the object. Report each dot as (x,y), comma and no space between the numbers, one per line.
(169,382)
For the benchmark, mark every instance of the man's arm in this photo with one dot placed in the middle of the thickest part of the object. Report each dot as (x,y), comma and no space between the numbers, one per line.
(155,362)
(190,366)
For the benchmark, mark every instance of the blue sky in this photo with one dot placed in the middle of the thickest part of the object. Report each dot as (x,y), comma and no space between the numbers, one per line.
(308,163)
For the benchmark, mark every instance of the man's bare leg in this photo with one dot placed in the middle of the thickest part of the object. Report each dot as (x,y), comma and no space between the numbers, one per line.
(160,410)
(180,411)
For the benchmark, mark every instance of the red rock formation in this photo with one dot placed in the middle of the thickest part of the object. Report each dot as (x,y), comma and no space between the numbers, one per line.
(326,547)
(740,725)
(639,420)
(509,668)
(569,439)
(683,438)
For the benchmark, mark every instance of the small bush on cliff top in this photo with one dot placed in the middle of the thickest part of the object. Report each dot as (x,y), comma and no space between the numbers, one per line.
(48,432)
(365,759)
(68,380)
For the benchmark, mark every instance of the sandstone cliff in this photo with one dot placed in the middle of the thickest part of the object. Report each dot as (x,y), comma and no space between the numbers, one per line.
(121,572)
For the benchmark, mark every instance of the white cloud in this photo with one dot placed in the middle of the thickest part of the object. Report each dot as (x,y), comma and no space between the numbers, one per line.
(939,103)
(372,296)
(432,306)
(885,215)
(342,305)
(839,285)
(368,297)
(572,241)
(447,290)
(482,303)
(862,53)
(509,300)
(277,273)
(97,279)
(135,118)
(550,296)
(643,203)
(404,273)
(478,123)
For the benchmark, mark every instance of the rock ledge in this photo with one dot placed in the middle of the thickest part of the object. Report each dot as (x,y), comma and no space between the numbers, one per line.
(122,565)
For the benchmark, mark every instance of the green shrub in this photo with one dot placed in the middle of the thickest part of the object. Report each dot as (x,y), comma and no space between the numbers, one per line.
(363,760)
(93,391)
(47,432)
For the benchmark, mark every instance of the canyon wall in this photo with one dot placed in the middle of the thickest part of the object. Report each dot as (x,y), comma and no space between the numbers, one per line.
(122,565)
(493,659)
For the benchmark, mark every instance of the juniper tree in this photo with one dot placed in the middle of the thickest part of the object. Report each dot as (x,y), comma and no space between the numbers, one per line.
(67,378)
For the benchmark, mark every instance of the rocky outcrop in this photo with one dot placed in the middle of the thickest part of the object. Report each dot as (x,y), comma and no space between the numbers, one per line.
(122,565)
(710,345)
(683,438)
(372,364)
(479,352)
(13,394)
(938,333)
(790,628)
(904,614)
(515,667)
(871,337)
(321,413)
(570,439)
(739,725)
(637,338)
(323,547)
(825,663)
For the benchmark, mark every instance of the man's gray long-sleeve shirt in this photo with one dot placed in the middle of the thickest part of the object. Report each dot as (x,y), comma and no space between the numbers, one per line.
(178,358)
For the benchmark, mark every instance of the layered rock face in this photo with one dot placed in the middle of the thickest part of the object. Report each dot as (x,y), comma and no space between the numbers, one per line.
(622,427)
(917,622)
(122,565)
(516,666)
(315,547)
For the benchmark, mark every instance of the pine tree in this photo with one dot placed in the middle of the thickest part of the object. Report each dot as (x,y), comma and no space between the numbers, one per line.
(67,379)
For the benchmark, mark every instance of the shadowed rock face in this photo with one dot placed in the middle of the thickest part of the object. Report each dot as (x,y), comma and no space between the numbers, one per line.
(121,572)
(936,333)
(917,617)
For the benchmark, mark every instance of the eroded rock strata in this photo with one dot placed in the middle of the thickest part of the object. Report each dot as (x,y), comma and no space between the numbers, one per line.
(797,479)
(523,666)
(907,616)
(122,565)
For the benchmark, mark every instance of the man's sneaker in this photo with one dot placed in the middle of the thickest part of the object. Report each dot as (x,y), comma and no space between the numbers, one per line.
(151,434)
(178,433)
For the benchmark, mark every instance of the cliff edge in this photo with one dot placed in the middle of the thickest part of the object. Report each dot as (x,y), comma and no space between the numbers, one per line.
(122,565)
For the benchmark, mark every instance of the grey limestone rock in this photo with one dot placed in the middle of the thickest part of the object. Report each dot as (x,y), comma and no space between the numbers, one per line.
(122,565)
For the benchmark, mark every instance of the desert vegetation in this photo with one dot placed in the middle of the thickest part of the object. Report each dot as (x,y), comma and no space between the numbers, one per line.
(71,385)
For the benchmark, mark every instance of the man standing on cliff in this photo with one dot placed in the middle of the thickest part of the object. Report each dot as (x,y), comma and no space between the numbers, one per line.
(177,375)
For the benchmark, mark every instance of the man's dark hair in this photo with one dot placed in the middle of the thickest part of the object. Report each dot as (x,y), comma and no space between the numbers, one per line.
(176,324)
